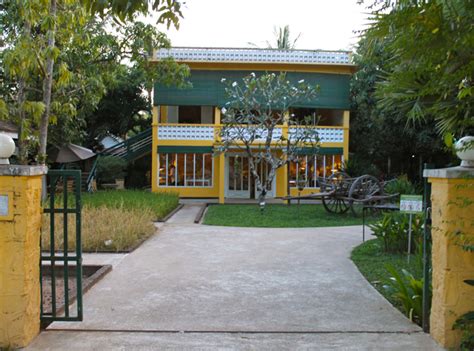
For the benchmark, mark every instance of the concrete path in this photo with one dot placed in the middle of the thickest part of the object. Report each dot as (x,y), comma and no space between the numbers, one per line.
(205,287)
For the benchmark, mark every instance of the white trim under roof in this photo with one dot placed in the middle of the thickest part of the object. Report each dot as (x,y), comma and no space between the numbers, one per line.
(236,55)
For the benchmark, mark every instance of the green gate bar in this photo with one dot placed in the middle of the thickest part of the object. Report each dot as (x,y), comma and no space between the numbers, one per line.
(426,252)
(54,178)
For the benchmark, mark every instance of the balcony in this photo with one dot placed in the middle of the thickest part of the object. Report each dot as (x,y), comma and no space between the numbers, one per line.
(209,132)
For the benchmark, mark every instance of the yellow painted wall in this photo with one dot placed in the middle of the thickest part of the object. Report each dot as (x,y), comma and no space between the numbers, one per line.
(346,125)
(451,212)
(19,262)
(279,67)
(219,162)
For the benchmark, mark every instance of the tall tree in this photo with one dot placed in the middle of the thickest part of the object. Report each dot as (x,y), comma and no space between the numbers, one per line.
(380,135)
(58,58)
(123,109)
(255,109)
(431,45)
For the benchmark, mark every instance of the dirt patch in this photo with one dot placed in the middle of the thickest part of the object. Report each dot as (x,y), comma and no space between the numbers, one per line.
(90,276)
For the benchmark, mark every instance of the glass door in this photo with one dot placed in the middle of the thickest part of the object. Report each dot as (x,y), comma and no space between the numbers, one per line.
(238,177)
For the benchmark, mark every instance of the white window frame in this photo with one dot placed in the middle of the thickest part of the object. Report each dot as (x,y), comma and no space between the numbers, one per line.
(201,180)
(315,160)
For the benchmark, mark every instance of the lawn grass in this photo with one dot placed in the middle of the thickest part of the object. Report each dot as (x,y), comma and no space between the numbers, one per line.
(371,262)
(115,220)
(159,203)
(277,216)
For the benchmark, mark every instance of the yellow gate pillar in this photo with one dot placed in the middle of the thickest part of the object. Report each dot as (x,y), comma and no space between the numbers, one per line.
(20,224)
(453,225)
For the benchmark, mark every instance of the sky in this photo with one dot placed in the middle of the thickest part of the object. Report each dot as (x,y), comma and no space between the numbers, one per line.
(323,24)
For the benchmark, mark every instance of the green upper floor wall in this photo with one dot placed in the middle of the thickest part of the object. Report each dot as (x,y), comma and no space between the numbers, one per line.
(207,89)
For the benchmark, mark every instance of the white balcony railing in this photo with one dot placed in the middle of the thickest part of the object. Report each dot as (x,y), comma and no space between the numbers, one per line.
(244,133)
(207,132)
(186,132)
(326,135)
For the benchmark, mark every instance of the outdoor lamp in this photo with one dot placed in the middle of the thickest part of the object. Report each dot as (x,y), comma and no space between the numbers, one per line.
(7,148)
(465,151)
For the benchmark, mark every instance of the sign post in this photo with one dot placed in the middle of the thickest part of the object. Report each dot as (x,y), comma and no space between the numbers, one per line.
(411,204)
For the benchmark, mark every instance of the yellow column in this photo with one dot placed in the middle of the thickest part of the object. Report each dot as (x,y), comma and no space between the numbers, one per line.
(282,182)
(282,173)
(345,125)
(220,157)
(20,225)
(221,178)
(452,208)
(154,149)
(217,125)
(163,114)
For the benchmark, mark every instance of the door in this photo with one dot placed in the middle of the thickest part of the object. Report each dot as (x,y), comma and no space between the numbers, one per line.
(263,169)
(237,177)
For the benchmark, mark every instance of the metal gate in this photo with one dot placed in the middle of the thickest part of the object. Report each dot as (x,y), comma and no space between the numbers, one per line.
(426,252)
(61,252)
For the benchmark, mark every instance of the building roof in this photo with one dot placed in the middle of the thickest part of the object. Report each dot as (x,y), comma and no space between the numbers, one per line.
(254,55)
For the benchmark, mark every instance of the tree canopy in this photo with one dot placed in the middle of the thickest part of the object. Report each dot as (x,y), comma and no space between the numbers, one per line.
(256,107)
(59,58)
(381,139)
(431,49)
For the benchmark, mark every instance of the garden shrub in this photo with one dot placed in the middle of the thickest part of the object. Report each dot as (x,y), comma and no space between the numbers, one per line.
(392,231)
(408,290)
(401,185)
(110,168)
(356,167)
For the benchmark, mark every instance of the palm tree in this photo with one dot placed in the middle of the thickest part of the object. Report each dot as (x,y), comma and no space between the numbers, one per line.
(283,40)
(282,37)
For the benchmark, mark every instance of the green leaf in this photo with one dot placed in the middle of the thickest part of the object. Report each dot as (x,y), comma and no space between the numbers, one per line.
(448,139)
(3,109)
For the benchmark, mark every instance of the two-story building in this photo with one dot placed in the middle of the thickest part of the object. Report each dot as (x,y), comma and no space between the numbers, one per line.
(186,122)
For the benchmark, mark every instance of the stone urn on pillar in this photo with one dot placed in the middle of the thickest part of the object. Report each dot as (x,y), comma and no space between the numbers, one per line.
(465,151)
(7,148)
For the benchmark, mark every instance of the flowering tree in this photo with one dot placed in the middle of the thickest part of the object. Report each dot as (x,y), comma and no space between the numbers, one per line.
(253,118)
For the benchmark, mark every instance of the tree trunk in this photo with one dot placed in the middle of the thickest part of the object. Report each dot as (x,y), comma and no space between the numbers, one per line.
(47,88)
(22,144)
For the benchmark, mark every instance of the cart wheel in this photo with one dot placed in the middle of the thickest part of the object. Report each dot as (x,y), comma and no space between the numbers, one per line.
(335,205)
(363,188)
(339,183)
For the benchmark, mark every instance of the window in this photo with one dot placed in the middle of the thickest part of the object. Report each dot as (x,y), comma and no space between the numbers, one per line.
(189,114)
(185,170)
(311,168)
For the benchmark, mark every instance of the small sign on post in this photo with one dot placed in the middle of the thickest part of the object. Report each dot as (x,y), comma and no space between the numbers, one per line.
(411,204)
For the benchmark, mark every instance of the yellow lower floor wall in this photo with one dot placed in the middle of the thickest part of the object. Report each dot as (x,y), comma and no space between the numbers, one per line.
(217,190)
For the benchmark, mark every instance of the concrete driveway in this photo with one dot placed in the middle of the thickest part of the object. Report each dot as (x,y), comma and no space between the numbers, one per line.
(204,287)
